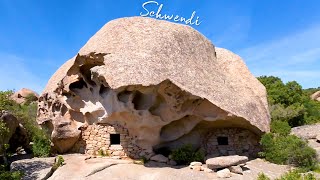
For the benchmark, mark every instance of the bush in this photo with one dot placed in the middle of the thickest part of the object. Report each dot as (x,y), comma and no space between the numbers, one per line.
(41,144)
(59,161)
(289,102)
(291,175)
(288,150)
(103,153)
(262,176)
(280,127)
(26,113)
(309,176)
(186,154)
(7,175)
(296,175)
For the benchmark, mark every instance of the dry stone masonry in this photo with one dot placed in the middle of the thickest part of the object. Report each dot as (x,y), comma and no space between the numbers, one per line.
(105,139)
(154,86)
(231,141)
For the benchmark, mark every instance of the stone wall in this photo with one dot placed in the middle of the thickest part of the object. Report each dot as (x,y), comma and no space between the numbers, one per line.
(239,142)
(95,139)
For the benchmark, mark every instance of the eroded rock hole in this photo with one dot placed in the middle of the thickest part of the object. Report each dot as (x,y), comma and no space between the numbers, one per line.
(103,90)
(142,101)
(124,96)
(85,71)
(78,85)
(64,109)
(155,108)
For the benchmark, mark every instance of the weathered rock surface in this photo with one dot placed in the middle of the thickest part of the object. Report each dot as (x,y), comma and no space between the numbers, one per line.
(17,133)
(162,81)
(225,161)
(316,96)
(224,173)
(23,94)
(195,164)
(306,131)
(159,158)
(236,169)
(80,167)
(35,168)
(311,134)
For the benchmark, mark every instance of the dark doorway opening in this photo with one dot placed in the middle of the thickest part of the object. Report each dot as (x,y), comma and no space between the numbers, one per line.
(223,140)
(114,139)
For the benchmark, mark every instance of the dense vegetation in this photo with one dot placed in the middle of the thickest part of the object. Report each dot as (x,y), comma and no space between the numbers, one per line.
(291,175)
(281,148)
(289,106)
(26,113)
(187,154)
(289,102)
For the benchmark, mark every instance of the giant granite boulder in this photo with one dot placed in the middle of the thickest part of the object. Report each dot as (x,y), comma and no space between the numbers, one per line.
(17,135)
(24,95)
(160,80)
(316,96)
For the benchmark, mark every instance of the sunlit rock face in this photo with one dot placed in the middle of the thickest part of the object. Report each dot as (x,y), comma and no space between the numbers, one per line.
(316,96)
(163,84)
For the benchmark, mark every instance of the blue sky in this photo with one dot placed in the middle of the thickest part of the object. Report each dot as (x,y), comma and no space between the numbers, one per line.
(280,38)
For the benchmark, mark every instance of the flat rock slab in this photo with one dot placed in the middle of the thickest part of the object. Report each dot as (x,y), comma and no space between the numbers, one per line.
(254,167)
(316,146)
(306,131)
(78,168)
(225,161)
(159,158)
(35,168)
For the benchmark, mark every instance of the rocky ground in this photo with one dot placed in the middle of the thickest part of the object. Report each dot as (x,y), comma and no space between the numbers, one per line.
(80,167)
(311,133)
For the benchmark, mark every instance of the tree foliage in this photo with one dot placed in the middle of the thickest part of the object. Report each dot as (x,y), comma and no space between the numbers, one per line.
(187,154)
(288,149)
(289,102)
(26,113)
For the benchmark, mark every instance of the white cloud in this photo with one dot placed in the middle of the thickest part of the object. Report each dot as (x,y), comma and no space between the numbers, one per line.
(14,74)
(293,57)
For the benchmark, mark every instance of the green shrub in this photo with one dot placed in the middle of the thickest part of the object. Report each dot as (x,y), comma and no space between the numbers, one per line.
(7,175)
(316,168)
(280,127)
(291,175)
(296,175)
(288,150)
(262,176)
(186,154)
(59,161)
(309,176)
(102,153)
(26,113)
(41,145)
(289,102)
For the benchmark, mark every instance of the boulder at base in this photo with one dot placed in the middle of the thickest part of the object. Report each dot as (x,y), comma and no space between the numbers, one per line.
(225,161)
(24,95)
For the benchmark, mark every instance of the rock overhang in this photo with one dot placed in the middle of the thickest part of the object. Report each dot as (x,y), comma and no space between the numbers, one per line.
(146,52)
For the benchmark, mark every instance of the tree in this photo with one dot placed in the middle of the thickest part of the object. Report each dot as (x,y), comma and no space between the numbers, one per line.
(289,102)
